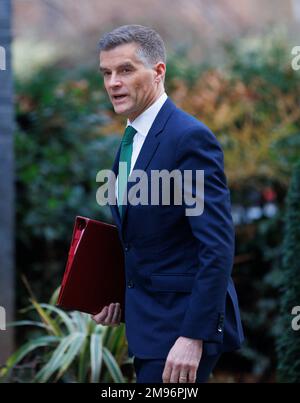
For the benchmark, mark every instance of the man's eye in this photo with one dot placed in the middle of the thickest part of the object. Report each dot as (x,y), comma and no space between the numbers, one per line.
(126,70)
(106,73)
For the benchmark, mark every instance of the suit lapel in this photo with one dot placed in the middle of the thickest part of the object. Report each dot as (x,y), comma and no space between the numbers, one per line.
(114,208)
(151,144)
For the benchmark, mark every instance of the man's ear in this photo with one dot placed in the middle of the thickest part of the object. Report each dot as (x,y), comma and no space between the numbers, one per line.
(160,69)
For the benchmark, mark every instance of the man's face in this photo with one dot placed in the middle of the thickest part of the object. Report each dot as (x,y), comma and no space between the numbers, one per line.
(131,85)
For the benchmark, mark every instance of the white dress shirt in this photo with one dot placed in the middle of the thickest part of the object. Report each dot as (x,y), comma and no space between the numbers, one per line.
(142,125)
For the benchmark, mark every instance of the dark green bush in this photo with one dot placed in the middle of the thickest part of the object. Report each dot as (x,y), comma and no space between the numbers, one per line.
(288,341)
(59,149)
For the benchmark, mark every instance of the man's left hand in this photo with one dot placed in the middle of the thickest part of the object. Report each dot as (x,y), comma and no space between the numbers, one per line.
(183,361)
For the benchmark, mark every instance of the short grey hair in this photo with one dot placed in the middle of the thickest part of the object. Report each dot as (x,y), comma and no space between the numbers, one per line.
(151,48)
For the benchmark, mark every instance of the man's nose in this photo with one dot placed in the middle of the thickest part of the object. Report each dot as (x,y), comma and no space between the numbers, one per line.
(114,81)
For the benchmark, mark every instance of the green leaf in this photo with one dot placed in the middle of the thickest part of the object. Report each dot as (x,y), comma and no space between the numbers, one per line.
(54,297)
(79,321)
(118,345)
(112,366)
(73,351)
(27,323)
(96,348)
(84,361)
(64,317)
(58,359)
(27,348)
(46,318)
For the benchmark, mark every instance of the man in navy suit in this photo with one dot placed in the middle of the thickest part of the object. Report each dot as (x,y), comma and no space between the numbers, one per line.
(181,307)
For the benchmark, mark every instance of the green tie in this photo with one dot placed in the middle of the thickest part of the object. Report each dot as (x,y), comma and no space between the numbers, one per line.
(124,169)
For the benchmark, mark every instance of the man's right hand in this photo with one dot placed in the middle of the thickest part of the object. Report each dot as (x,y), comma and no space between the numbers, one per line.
(109,316)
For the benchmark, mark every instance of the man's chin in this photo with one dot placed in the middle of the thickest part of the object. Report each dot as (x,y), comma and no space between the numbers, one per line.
(121,110)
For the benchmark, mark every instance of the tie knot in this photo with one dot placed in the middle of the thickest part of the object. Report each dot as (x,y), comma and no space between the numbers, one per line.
(128,135)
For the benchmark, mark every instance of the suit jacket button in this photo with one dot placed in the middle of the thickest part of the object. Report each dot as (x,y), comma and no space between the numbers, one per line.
(130,284)
(220,323)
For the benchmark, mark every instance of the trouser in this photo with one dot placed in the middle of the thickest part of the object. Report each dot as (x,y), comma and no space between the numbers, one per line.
(151,370)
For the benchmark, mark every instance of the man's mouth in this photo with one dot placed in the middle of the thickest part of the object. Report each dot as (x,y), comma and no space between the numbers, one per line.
(119,98)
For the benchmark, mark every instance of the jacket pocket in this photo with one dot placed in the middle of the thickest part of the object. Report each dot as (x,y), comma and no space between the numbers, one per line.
(173,282)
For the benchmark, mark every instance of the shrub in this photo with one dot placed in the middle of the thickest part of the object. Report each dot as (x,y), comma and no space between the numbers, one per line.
(288,342)
(69,347)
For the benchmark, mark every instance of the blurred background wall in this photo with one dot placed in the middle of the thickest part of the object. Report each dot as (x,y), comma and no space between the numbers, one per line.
(72,28)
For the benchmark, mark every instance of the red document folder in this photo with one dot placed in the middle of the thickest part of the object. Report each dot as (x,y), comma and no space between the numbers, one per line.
(94,276)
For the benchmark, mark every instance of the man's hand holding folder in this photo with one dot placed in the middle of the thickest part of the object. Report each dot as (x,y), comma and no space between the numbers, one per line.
(94,278)
(109,316)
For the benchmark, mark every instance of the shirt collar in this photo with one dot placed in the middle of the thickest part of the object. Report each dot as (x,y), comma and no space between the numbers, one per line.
(144,121)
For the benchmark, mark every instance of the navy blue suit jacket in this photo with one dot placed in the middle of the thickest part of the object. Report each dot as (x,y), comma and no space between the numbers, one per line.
(178,267)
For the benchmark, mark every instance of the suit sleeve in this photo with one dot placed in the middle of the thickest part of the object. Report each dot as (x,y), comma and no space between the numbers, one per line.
(198,149)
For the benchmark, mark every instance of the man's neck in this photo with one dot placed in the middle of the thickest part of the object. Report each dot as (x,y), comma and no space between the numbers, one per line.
(158,95)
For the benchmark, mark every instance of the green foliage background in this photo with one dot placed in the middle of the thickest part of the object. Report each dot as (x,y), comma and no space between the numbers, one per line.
(288,343)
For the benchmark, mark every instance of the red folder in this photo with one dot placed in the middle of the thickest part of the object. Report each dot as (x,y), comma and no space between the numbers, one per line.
(94,276)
